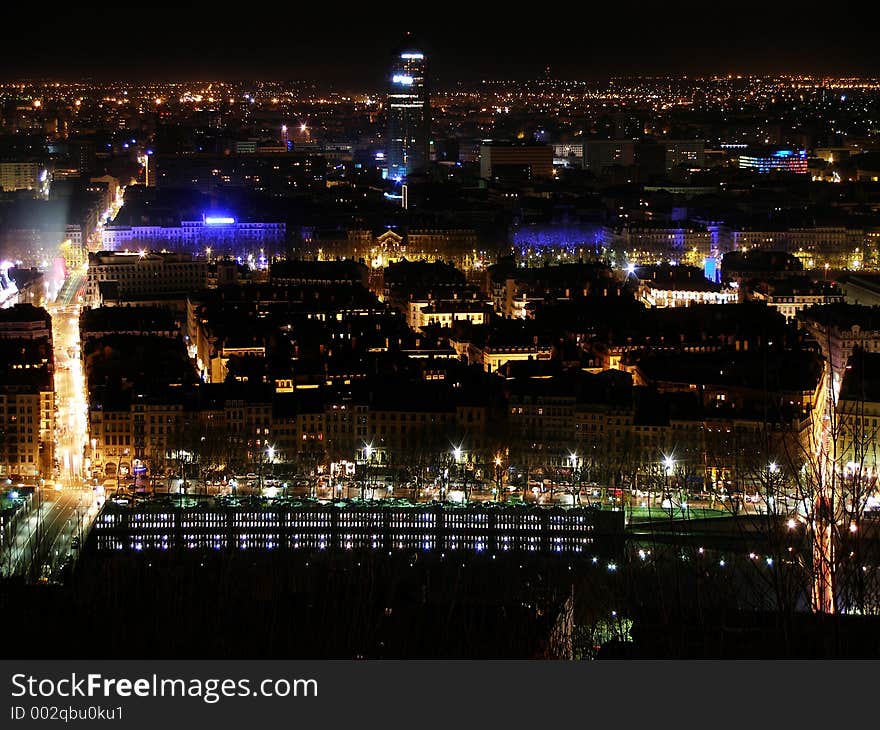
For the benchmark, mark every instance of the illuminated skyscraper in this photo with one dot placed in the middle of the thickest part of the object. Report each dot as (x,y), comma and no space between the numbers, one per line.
(409,117)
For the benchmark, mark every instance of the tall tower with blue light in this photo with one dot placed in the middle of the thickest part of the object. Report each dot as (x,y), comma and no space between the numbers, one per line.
(409,115)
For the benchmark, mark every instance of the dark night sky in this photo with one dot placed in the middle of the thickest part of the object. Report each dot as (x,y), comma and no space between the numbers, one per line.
(349,48)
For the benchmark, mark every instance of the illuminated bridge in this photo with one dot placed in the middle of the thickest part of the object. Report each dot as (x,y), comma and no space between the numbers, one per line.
(316,525)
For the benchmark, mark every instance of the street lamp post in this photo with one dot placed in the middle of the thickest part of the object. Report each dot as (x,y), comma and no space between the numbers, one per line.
(772,470)
(456,456)
(668,466)
(270,454)
(575,475)
(368,457)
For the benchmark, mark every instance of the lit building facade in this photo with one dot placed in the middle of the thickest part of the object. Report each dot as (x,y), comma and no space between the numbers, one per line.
(140,274)
(409,117)
(858,413)
(678,294)
(27,393)
(784,160)
(24,176)
(27,419)
(222,234)
(315,526)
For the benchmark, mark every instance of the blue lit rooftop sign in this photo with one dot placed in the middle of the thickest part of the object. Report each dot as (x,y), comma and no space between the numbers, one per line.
(219,220)
(790,153)
(412,56)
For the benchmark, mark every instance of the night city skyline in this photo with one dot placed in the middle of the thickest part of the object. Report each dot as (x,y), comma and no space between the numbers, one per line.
(543,336)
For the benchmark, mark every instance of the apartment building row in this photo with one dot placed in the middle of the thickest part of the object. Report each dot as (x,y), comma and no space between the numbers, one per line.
(27,393)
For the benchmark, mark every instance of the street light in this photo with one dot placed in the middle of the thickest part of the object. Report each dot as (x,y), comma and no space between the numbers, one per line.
(575,478)
(669,465)
(368,458)
(772,468)
(270,453)
(456,458)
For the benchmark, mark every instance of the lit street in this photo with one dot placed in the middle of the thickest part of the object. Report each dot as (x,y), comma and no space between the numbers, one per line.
(61,513)
(45,536)
(71,426)
(391,340)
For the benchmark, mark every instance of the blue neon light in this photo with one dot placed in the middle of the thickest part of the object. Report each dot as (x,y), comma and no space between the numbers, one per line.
(711,270)
(403,80)
(415,56)
(790,153)
(219,220)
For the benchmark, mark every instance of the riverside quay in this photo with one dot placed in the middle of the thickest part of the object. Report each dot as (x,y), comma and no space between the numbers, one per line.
(224,524)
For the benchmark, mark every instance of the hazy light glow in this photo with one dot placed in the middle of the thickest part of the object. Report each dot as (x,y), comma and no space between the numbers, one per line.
(219,220)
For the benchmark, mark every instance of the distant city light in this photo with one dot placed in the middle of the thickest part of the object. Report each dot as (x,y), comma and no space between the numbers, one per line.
(219,220)
(403,80)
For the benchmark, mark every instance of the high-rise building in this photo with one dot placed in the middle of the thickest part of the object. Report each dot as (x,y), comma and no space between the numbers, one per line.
(520,161)
(409,116)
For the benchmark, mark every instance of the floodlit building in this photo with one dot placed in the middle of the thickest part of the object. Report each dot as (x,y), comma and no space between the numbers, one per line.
(409,116)
(774,160)
(24,176)
(222,234)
